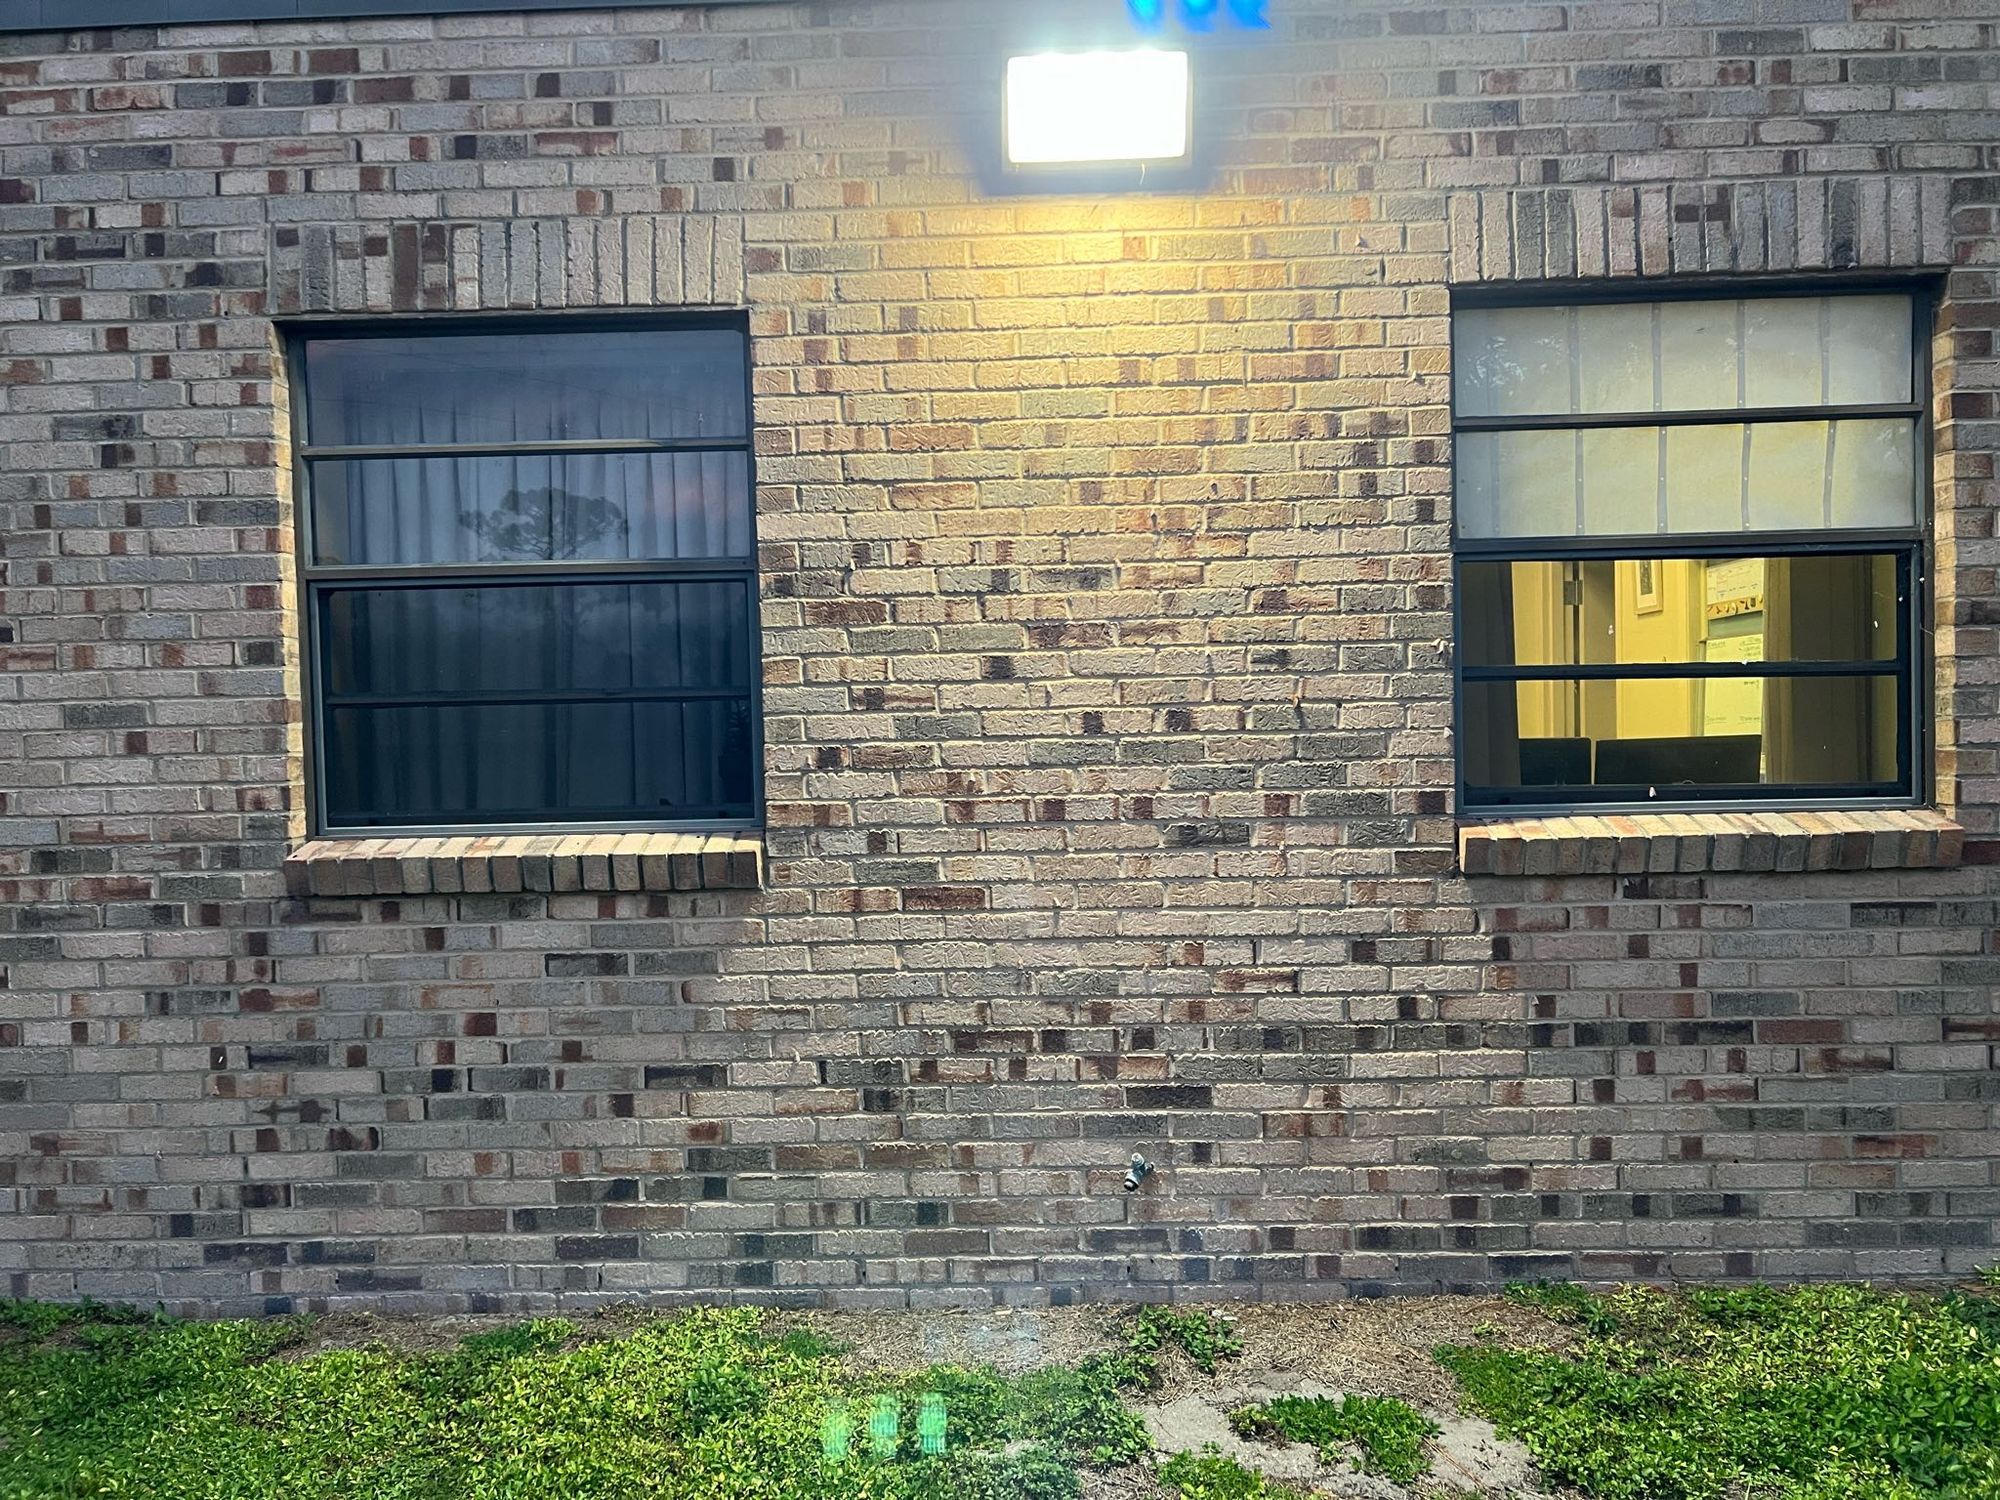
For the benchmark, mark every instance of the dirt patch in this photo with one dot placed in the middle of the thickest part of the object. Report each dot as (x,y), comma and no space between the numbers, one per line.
(1372,1348)
(1011,1340)
(412,1336)
(1135,1483)
(1380,1348)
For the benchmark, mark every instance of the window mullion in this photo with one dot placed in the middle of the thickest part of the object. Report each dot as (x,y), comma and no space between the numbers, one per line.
(1719,416)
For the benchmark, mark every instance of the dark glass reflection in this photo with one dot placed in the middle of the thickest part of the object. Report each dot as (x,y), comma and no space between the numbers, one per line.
(537,508)
(511,638)
(538,763)
(1667,737)
(527,387)
(487,703)
(1680,609)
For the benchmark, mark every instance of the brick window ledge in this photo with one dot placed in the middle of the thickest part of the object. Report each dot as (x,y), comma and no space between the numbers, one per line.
(506,863)
(1664,843)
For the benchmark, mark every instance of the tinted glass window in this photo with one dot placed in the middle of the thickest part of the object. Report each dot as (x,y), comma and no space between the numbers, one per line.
(526,387)
(539,507)
(536,763)
(1653,738)
(533,596)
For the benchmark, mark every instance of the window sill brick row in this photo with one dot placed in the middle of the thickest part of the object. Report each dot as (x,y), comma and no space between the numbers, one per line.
(509,863)
(1670,843)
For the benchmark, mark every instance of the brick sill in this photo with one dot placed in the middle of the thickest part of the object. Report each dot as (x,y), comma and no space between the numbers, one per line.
(1666,843)
(507,863)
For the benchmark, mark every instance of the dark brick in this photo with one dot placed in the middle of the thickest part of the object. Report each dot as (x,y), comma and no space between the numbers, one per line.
(592,1247)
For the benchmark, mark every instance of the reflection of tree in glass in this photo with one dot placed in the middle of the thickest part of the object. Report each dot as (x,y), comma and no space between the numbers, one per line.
(545,523)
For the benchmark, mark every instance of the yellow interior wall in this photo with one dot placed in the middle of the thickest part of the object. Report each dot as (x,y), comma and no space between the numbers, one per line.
(1540,628)
(1647,710)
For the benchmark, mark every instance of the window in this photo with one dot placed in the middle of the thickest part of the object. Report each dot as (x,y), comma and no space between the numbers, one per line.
(529,581)
(1689,550)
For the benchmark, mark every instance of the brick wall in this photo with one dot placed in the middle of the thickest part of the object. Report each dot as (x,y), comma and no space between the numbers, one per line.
(1107,601)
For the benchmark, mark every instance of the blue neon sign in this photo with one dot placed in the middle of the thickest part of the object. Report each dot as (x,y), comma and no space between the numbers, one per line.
(1199,15)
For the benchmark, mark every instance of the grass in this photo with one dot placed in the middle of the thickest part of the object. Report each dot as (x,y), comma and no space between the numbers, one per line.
(698,1407)
(1389,1433)
(1801,1393)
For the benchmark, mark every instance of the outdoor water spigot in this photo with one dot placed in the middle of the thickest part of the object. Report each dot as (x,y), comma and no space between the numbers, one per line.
(1137,1172)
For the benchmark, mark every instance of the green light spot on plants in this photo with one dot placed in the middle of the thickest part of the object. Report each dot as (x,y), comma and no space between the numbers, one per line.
(884,1422)
(836,1432)
(930,1423)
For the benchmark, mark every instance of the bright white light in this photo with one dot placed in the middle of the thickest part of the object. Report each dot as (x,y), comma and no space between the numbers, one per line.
(1071,108)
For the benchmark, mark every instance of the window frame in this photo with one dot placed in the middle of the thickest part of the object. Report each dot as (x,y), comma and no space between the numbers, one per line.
(316,580)
(1911,546)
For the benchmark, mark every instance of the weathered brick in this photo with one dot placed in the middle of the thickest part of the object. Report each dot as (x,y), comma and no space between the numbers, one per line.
(1106,619)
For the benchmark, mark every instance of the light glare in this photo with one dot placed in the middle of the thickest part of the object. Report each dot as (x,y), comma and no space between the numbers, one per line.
(1072,108)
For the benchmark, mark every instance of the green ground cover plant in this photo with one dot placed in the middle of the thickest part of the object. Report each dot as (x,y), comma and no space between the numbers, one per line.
(1797,1393)
(1202,1336)
(1209,1475)
(703,1406)
(1389,1433)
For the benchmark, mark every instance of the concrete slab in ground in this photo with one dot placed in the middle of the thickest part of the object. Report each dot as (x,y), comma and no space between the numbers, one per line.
(1467,1454)
(1470,1454)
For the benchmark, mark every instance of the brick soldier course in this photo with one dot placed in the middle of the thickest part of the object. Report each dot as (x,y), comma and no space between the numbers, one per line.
(1104,548)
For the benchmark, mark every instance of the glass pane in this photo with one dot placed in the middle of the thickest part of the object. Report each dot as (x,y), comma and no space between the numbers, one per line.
(1664,739)
(1872,474)
(537,508)
(1868,350)
(1703,479)
(1719,354)
(1621,479)
(538,763)
(513,638)
(1615,353)
(1764,476)
(1700,359)
(1517,484)
(1674,609)
(527,387)
(1784,353)
(1513,360)
(1785,484)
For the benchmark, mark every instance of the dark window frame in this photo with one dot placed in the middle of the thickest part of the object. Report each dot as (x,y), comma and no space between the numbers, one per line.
(316,581)
(1911,546)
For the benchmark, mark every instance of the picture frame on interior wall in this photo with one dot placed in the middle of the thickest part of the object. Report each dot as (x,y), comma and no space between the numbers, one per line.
(1646,590)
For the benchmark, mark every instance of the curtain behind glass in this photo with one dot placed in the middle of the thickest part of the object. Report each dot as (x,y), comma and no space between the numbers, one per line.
(545,507)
